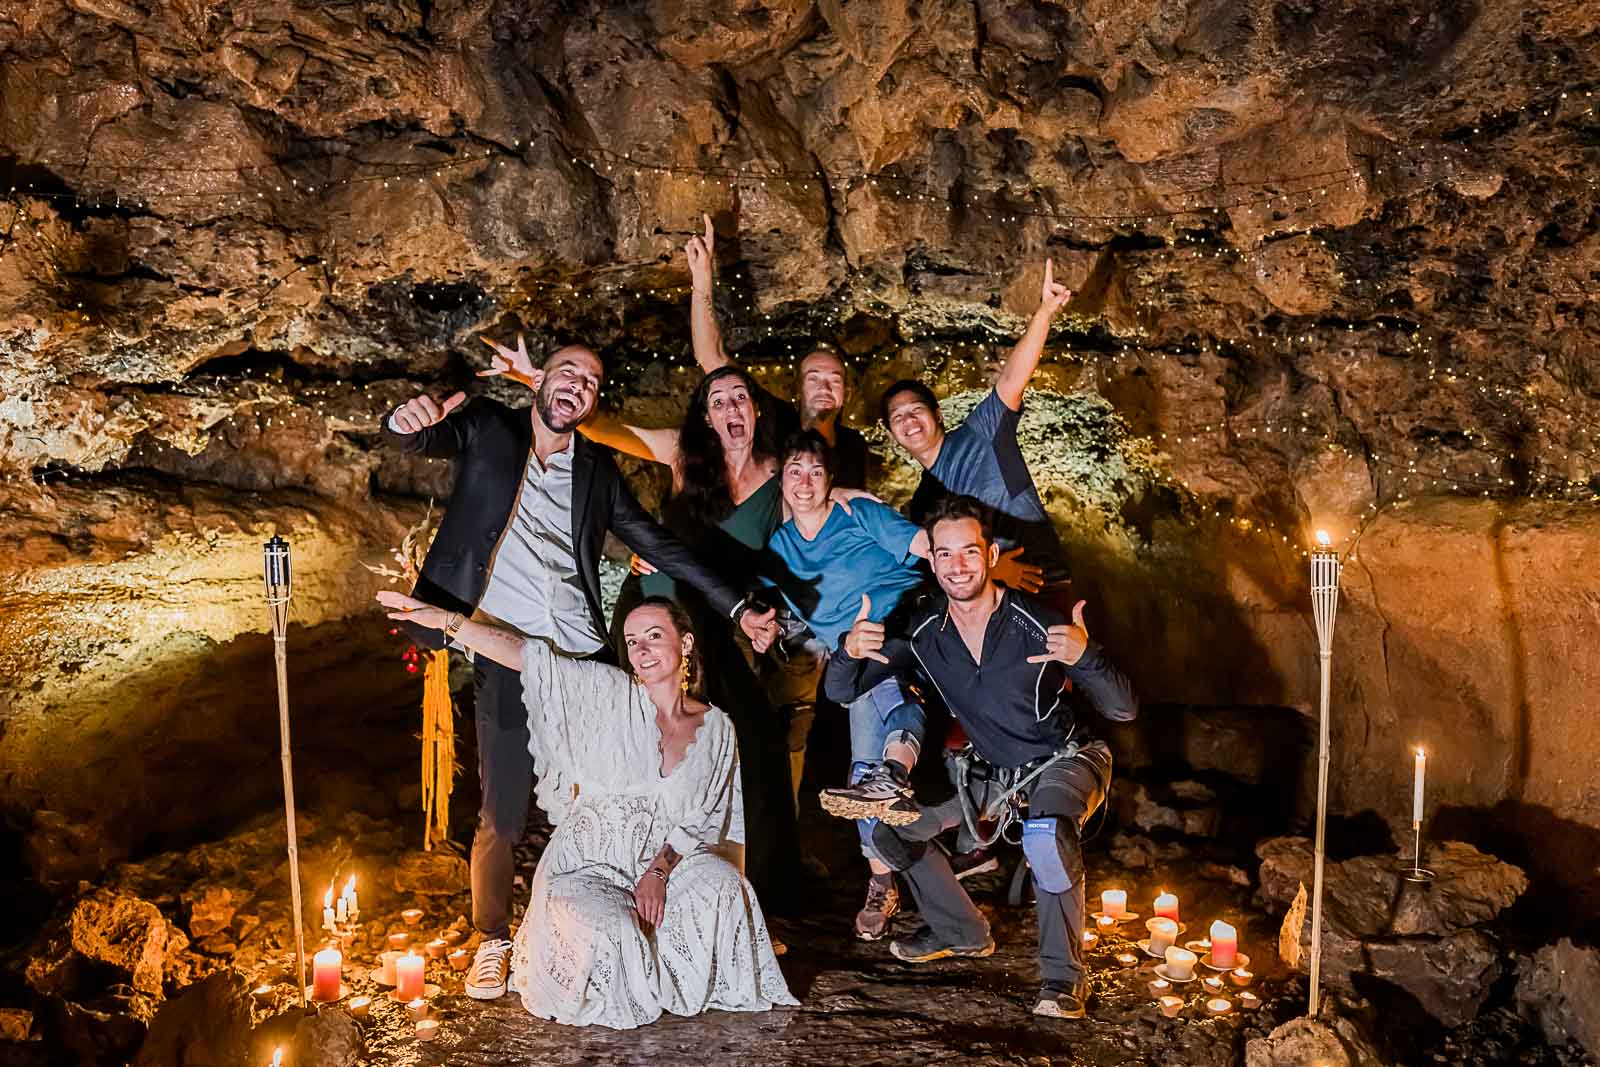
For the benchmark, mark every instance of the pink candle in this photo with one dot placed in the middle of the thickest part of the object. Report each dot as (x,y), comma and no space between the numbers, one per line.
(327,970)
(1224,944)
(1166,906)
(408,983)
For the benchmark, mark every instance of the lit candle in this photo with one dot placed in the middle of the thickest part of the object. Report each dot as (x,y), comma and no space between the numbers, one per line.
(1127,959)
(1212,983)
(412,916)
(459,959)
(1105,923)
(327,971)
(1159,988)
(1090,937)
(453,936)
(327,909)
(343,908)
(417,1009)
(436,948)
(427,1029)
(1163,935)
(1114,902)
(360,1007)
(1171,1006)
(1249,1001)
(1219,1005)
(277,1057)
(1180,963)
(399,939)
(1224,944)
(1166,906)
(408,977)
(262,992)
(1416,789)
(350,891)
(1240,977)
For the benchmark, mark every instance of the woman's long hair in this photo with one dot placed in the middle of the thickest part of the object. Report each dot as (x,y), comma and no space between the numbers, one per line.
(706,498)
(680,621)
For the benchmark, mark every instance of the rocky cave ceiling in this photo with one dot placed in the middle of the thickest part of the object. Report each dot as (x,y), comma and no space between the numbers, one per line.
(1331,256)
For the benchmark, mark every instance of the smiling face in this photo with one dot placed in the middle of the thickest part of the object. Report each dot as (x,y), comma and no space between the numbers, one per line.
(731,411)
(655,646)
(822,386)
(914,426)
(568,385)
(805,483)
(961,558)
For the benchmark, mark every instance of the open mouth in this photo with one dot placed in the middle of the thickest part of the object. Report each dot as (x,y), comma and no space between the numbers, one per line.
(736,429)
(564,405)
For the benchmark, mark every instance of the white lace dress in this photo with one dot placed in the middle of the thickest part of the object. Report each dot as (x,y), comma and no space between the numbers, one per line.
(582,956)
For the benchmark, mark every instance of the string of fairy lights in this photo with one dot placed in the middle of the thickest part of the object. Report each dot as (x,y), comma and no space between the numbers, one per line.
(101,186)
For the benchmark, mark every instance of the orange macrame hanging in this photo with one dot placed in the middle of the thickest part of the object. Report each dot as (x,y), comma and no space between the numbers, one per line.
(438,748)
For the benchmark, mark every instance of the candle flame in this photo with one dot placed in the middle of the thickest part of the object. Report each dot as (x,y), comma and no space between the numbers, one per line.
(277,1057)
(327,898)
(1323,539)
(1421,754)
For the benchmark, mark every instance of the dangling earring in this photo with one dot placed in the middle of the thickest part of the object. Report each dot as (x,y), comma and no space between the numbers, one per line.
(684,684)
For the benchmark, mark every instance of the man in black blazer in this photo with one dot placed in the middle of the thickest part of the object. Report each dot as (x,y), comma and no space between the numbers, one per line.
(520,543)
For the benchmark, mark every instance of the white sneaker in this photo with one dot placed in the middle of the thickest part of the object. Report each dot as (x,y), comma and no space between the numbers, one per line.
(491,964)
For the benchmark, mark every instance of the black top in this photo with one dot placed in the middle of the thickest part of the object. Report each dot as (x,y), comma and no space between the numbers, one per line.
(850,452)
(489,443)
(1013,711)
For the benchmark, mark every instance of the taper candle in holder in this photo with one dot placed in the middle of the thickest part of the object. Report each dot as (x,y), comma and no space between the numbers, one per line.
(1417,872)
(276,558)
(1325,569)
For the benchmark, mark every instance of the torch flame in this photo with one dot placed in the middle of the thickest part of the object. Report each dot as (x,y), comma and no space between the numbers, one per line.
(277,1057)
(1323,539)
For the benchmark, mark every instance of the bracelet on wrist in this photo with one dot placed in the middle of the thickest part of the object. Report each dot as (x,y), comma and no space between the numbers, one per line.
(659,873)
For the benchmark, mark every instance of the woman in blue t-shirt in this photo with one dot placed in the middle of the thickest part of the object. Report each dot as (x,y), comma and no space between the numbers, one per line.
(834,564)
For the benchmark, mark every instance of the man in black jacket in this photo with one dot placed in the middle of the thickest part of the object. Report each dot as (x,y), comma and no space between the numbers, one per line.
(999,658)
(520,544)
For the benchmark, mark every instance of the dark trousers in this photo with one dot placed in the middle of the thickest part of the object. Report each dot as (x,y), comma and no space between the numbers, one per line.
(1060,802)
(505,773)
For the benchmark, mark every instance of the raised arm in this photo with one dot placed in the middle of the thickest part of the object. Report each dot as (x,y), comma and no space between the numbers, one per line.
(1024,358)
(703,328)
(423,425)
(865,657)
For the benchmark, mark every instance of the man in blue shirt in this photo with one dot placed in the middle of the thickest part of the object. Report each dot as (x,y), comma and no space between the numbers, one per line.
(981,457)
(834,565)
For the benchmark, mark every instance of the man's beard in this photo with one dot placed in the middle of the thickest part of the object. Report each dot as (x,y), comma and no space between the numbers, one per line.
(546,412)
(810,415)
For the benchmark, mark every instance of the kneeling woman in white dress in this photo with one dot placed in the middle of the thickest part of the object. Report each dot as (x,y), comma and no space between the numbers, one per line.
(637,905)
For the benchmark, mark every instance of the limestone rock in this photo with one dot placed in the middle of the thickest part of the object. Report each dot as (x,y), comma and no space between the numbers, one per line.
(1301,1042)
(1558,988)
(430,874)
(328,1039)
(212,908)
(125,933)
(16,1024)
(206,1025)
(1450,976)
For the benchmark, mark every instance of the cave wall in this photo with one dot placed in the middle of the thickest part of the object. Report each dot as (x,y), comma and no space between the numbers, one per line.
(1333,264)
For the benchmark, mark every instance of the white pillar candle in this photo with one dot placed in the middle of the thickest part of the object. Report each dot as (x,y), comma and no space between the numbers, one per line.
(1180,963)
(1163,934)
(1114,902)
(1416,788)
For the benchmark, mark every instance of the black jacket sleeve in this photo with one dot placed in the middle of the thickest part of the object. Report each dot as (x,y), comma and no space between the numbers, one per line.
(1108,690)
(847,678)
(655,544)
(445,439)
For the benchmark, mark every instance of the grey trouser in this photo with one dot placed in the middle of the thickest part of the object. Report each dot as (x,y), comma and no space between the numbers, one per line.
(1060,801)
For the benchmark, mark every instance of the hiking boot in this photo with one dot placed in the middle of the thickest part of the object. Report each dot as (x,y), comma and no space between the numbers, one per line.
(490,965)
(1062,1003)
(880,795)
(883,901)
(926,945)
(978,861)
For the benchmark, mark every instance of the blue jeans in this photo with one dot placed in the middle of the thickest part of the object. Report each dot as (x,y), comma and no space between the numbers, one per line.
(885,714)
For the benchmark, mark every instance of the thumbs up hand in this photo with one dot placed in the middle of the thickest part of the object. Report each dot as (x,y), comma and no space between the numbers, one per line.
(423,411)
(1065,644)
(865,638)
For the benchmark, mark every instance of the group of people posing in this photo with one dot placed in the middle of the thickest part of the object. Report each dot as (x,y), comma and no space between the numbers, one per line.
(771,583)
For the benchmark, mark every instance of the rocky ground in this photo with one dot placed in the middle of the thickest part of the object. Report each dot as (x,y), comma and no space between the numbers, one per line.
(186,958)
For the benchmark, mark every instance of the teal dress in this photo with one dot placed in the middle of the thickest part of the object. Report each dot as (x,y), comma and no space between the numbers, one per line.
(734,547)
